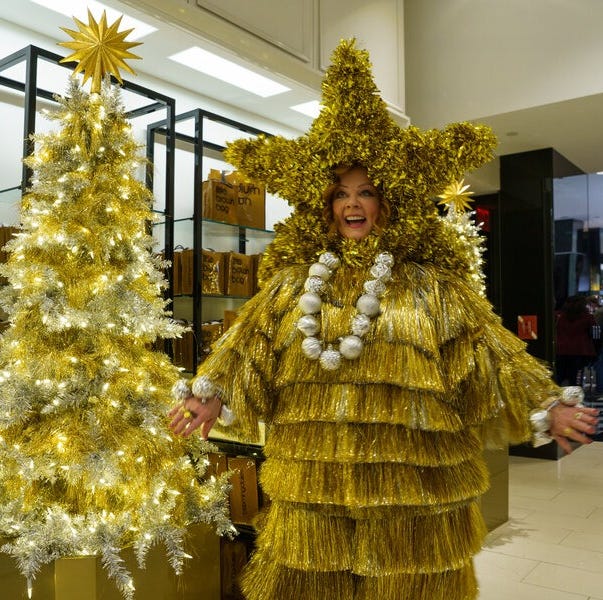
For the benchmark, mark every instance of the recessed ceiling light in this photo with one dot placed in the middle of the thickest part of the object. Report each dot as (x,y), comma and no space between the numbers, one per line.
(312,108)
(230,72)
(79,10)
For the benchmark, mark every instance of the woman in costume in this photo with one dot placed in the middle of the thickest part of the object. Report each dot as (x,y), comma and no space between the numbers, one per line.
(374,358)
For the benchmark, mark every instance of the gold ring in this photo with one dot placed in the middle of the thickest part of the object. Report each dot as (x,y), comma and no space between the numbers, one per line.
(578,416)
(567,431)
(187,414)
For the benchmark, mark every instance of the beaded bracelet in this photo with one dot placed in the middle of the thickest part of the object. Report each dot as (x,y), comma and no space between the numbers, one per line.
(203,389)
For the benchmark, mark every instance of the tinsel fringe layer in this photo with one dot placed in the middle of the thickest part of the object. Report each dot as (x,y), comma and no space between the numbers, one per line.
(266,580)
(369,443)
(372,484)
(355,403)
(300,537)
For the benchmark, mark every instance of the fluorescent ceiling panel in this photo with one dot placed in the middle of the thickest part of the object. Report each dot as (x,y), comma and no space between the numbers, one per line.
(79,9)
(311,109)
(229,72)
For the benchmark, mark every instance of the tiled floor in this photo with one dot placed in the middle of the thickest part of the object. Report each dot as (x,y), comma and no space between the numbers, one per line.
(552,546)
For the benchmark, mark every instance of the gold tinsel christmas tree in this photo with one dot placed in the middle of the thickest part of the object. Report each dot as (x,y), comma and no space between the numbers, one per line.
(87,466)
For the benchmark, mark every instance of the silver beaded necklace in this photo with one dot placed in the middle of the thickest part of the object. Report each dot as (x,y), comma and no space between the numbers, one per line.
(368,306)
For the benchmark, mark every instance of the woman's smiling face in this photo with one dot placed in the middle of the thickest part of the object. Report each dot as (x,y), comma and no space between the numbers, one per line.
(356,204)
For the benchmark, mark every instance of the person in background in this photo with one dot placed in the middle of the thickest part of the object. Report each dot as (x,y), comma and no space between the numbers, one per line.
(575,343)
(592,304)
(374,358)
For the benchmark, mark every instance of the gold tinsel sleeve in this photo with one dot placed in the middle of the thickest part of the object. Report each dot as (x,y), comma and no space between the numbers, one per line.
(495,381)
(242,363)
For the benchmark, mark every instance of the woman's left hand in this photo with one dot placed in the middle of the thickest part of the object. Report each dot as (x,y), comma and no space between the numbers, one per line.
(193,413)
(572,423)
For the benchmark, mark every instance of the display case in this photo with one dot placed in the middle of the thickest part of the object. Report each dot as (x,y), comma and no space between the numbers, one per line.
(201,236)
(209,231)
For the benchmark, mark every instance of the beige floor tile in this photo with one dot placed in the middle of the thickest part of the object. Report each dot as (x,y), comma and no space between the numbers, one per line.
(552,546)
(493,566)
(516,528)
(579,495)
(535,490)
(586,541)
(518,512)
(543,520)
(561,504)
(573,581)
(558,554)
(596,516)
(494,588)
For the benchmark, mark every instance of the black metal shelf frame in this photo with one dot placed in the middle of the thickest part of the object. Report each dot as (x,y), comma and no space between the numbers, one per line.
(33,58)
(199,146)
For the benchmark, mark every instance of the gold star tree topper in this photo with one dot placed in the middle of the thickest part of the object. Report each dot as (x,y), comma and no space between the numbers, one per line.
(456,197)
(99,49)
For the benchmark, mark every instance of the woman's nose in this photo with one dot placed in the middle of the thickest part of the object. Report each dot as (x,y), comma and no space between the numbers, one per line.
(352,200)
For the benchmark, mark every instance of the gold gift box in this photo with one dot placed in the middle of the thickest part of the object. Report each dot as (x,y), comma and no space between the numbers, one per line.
(83,578)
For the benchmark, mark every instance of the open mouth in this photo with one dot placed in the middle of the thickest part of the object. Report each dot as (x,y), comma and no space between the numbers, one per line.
(355,221)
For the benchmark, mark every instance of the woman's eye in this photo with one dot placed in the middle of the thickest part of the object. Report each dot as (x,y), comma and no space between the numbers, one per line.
(339,194)
(369,193)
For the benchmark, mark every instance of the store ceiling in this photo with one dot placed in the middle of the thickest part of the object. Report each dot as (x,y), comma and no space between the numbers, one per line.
(154,52)
(571,127)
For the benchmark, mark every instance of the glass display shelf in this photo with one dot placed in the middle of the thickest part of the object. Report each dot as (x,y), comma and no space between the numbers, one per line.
(213,296)
(10,203)
(219,224)
(211,310)
(200,139)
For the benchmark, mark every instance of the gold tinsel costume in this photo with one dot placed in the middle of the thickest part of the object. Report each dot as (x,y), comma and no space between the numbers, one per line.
(375,469)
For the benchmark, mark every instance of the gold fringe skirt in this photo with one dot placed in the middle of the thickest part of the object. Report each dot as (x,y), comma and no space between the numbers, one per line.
(315,552)
(395,526)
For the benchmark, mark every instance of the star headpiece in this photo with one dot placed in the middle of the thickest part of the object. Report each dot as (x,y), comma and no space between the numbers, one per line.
(99,49)
(408,165)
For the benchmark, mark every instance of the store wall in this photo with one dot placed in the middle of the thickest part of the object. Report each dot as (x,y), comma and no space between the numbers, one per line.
(296,37)
(467,59)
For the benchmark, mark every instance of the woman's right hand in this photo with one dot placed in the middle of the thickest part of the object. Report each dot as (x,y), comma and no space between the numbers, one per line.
(573,423)
(193,413)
